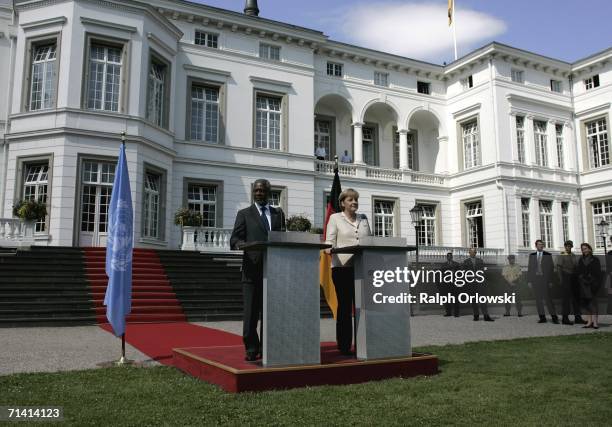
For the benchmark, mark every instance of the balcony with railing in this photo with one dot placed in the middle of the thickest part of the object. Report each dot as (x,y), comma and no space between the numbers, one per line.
(16,233)
(323,167)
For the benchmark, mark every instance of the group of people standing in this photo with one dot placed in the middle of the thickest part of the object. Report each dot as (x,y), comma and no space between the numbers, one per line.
(580,277)
(580,280)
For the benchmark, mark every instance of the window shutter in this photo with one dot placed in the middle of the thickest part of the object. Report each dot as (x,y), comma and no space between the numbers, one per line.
(596,80)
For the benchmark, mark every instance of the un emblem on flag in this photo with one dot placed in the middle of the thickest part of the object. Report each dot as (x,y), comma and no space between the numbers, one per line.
(120,237)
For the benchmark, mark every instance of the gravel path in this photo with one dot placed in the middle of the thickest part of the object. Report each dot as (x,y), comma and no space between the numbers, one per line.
(50,349)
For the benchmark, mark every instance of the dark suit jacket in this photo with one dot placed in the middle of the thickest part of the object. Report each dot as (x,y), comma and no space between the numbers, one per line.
(249,228)
(548,268)
(469,265)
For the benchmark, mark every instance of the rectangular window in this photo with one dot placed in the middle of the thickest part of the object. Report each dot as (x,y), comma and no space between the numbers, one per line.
(565,220)
(322,136)
(517,75)
(36,187)
(270,52)
(268,119)
(471,144)
(520,138)
(591,82)
(546,226)
(539,130)
(381,79)
(205,113)
(151,209)
(369,144)
(206,39)
(601,211)
(156,93)
(559,137)
(525,206)
(474,224)
(104,83)
(427,229)
(334,69)
(203,200)
(423,87)
(384,218)
(556,86)
(597,140)
(43,76)
(97,186)
(467,83)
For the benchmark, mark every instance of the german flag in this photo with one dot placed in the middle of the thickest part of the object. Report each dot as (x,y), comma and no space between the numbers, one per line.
(325,276)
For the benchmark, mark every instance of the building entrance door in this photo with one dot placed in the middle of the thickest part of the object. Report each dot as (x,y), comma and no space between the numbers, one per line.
(96,189)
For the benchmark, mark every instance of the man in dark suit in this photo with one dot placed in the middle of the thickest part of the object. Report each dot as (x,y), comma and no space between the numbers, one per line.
(252,225)
(539,278)
(473,263)
(450,309)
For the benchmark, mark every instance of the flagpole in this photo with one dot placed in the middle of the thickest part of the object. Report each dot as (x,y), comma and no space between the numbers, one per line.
(454,30)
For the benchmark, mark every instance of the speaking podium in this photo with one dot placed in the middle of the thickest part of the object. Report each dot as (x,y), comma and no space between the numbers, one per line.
(291,298)
(383,329)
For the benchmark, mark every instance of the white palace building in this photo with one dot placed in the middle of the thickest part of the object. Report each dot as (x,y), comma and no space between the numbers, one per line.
(500,147)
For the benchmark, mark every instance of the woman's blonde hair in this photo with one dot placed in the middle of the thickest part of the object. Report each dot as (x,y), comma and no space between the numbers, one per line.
(349,192)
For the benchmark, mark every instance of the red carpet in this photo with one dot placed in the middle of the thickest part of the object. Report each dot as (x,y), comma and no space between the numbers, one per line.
(157,340)
(153,299)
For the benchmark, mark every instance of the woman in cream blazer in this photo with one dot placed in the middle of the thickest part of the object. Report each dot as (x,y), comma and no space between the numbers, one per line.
(345,229)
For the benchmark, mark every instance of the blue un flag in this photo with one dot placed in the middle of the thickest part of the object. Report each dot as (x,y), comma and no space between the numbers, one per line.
(118,299)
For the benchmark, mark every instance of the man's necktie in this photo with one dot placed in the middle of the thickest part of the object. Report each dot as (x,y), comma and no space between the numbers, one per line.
(539,262)
(264,218)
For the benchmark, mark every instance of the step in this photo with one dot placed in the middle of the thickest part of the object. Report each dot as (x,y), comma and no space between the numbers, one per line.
(165,302)
(46,321)
(147,318)
(146,310)
(148,294)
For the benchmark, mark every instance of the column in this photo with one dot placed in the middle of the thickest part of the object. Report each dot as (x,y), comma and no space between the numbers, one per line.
(403,149)
(441,164)
(358,143)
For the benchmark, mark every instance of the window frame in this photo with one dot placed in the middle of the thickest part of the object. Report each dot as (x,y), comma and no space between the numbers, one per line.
(377,79)
(423,84)
(22,164)
(540,144)
(208,35)
(461,124)
(268,49)
(467,82)
(591,82)
(375,142)
(396,214)
(517,75)
(162,205)
(284,111)
(464,221)
(565,220)
(31,43)
(332,133)
(335,66)
(114,42)
(155,57)
(525,209)
(560,145)
(206,182)
(546,219)
(588,149)
(520,138)
(556,86)
(206,83)
(592,223)
(436,221)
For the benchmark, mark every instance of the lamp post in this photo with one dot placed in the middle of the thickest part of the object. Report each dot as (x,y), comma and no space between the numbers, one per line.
(416,214)
(602,228)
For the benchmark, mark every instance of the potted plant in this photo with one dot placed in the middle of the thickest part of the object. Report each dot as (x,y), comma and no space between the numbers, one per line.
(30,210)
(187,218)
(298,223)
(189,221)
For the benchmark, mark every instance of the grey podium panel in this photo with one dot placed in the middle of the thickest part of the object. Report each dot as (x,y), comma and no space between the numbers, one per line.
(383,330)
(291,306)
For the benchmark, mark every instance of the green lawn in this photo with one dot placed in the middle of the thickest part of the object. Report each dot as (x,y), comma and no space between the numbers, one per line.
(542,381)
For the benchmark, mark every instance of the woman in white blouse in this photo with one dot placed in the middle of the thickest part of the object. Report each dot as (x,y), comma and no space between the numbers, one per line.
(345,228)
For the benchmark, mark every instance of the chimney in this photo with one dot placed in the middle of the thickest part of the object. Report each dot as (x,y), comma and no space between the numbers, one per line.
(250,8)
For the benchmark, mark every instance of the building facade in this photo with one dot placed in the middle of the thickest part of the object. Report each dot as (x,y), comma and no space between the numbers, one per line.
(500,147)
